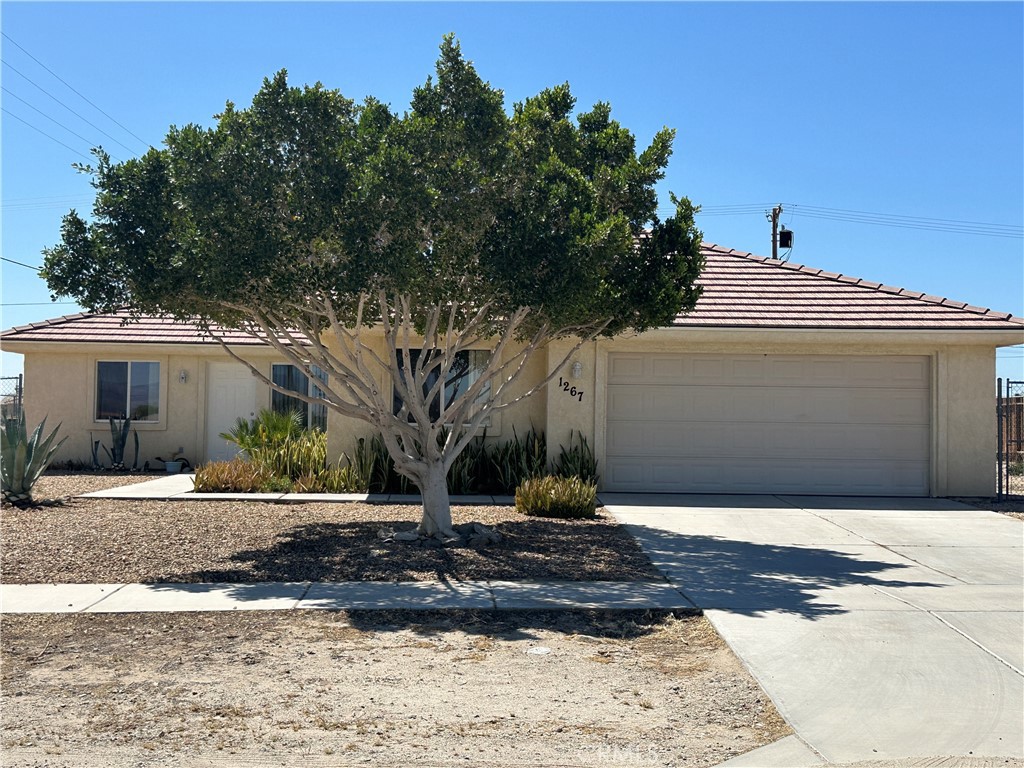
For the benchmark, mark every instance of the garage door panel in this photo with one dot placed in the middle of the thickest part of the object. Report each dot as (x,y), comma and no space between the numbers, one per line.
(787,441)
(769,404)
(707,475)
(761,423)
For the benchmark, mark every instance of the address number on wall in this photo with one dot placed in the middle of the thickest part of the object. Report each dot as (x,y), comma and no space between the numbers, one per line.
(570,390)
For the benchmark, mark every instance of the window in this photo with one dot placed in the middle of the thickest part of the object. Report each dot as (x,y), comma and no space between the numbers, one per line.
(128,389)
(463,374)
(314,415)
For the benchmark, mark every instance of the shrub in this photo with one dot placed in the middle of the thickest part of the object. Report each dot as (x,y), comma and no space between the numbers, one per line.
(294,456)
(235,476)
(577,460)
(330,480)
(23,458)
(517,460)
(1016,468)
(562,497)
(269,429)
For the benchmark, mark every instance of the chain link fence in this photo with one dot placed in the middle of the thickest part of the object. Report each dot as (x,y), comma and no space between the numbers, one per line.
(12,397)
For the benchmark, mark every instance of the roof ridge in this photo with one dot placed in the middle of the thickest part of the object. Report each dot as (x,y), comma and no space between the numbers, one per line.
(859,282)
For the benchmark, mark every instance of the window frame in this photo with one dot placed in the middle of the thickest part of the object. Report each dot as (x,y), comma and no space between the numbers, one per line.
(306,408)
(161,404)
(467,377)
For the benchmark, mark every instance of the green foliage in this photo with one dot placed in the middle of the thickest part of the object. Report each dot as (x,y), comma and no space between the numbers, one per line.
(469,471)
(331,480)
(577,460)
(383,477)
(23,458)
(293,457)
(517,460)
(274,484)
(1016,468)
(562,497)
(269,429)
(288,199)
(235,476)
(119,429)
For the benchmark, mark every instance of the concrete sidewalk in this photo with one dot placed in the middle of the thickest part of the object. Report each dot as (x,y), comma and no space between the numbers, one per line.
(882,629)
(355,595)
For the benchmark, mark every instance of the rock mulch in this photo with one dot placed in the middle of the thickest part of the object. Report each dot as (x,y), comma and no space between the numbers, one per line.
(69,540)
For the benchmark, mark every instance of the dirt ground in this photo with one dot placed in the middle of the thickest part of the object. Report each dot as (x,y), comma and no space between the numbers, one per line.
(373,688)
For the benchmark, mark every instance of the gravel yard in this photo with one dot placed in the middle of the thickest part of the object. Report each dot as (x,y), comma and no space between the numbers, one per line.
(115,541)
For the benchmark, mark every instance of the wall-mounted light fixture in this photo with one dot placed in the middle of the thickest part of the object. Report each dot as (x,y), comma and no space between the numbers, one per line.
(577,369)
(183,376)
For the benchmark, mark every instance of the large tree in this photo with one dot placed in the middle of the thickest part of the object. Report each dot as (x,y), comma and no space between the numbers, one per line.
(313,221)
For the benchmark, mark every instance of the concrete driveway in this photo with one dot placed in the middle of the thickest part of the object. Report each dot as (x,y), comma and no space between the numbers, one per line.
(881,628)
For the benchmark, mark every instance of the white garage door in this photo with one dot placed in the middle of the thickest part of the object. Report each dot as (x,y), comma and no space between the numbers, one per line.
(767,424)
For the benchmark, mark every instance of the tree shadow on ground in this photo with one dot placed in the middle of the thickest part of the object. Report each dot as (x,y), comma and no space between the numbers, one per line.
(353,551)
(752,578)
(738,576)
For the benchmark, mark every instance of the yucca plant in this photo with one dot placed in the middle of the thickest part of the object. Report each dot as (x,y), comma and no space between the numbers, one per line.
(23,458)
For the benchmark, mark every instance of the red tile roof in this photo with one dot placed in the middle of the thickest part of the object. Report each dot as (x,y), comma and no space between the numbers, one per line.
(740,290)
(118,329)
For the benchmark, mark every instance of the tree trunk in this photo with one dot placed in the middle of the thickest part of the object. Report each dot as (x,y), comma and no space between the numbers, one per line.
(437,510)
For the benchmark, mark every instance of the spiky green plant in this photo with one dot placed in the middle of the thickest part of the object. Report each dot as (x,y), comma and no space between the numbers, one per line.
(563,497)
(118,439)
(519,459)
(268,430)
(23,458)
(577,460)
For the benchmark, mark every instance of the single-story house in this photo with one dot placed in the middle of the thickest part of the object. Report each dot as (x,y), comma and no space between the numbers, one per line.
(784,379)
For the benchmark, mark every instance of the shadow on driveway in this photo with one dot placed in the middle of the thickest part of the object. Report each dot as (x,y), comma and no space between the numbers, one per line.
(751,578)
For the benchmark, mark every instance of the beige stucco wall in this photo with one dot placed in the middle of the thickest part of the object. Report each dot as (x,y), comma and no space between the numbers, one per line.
(60,384)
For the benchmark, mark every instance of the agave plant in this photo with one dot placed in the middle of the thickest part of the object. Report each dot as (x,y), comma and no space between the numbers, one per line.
(23,458)
(118,440)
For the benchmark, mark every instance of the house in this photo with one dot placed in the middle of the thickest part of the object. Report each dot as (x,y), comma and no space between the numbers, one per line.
(784,379)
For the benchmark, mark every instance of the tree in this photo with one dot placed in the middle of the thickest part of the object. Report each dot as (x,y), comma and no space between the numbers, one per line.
(312,221)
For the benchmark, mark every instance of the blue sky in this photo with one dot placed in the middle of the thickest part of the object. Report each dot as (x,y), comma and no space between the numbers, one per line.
(910,112)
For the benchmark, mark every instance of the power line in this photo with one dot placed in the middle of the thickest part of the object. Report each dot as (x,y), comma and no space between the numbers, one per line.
(35,303)
(52,120)
(866,217)
(80,94)
(20,264)
(51,138)
(69,109)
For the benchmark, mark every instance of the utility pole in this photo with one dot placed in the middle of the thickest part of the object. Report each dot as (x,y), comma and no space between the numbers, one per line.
(776,213)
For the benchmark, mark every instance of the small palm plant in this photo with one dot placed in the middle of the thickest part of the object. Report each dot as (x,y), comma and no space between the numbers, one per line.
(270,429)
(23,458)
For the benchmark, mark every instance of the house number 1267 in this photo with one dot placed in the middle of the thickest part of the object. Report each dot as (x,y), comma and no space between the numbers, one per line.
(573,392)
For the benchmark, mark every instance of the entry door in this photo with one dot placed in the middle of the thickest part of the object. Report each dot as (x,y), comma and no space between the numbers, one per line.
(230,395)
